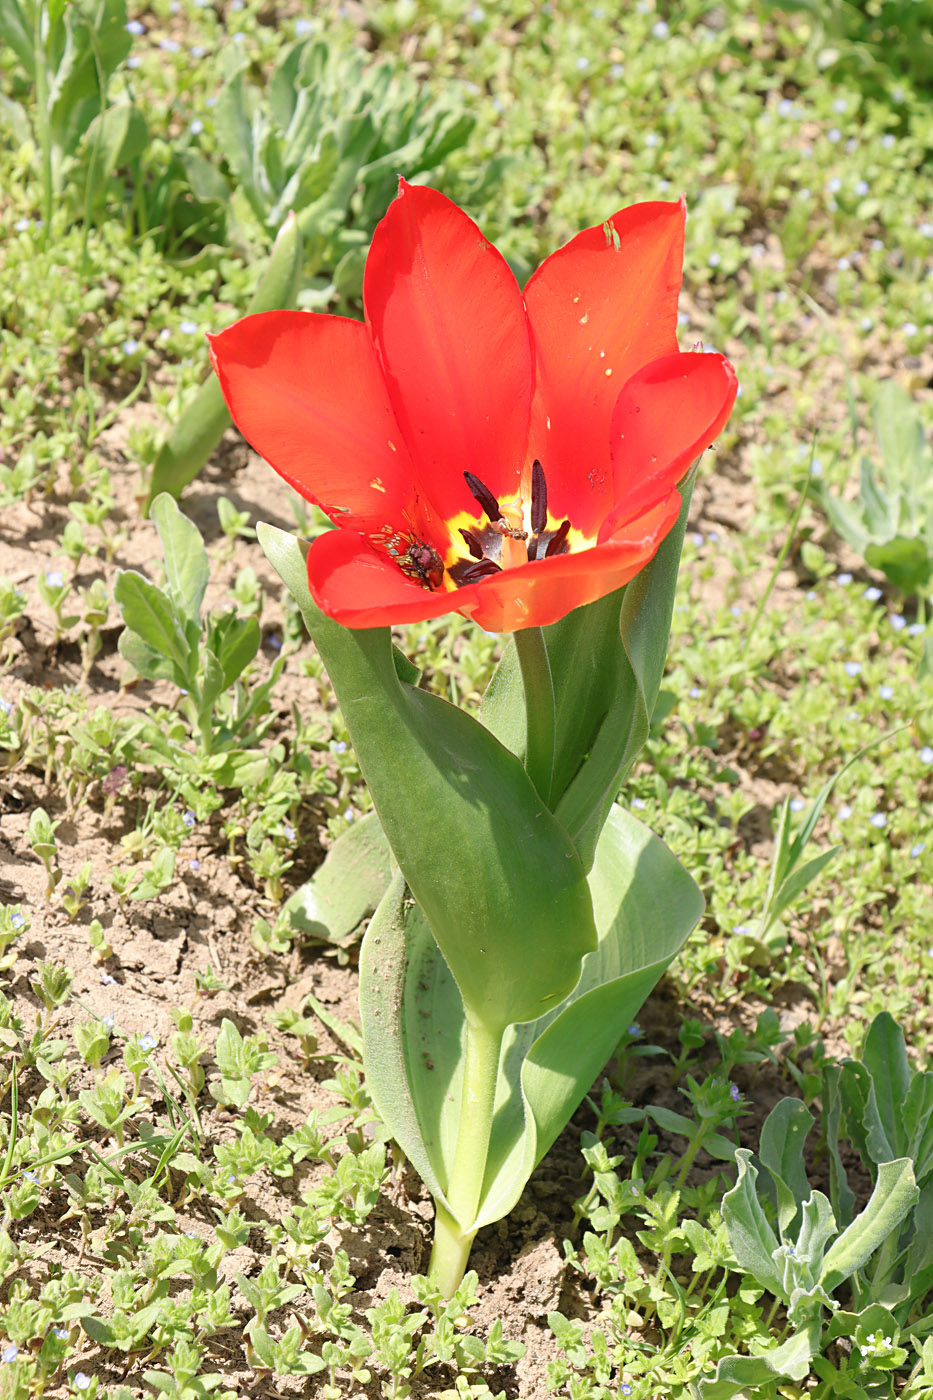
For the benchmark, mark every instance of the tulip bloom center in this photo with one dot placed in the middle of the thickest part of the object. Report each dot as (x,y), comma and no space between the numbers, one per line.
(514,532)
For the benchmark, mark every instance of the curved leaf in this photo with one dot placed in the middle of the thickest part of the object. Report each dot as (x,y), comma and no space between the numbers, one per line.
(495,875)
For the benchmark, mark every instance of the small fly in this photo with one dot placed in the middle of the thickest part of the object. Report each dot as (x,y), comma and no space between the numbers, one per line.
(415,557)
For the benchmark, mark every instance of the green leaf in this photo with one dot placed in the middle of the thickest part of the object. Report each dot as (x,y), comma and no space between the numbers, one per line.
(884,1055)
(347,887)
(783,1136)
(114,138)
(149,613)
(187,570)
(894,1196)
(752,1240)
(906,562)
(235,642)
(413,1018)
(840,1193)
(791,1361)
(492,870)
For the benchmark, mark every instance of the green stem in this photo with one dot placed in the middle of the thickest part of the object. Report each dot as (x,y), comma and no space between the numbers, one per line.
(452,1242)
(42,117)
(540,708)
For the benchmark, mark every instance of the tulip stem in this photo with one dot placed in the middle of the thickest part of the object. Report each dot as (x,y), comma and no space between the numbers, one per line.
(452,1240)
(540,708)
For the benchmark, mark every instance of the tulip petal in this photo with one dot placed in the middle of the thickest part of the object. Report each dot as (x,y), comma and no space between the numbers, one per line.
(447,318)
(307,392)
(666,416)
(600,308)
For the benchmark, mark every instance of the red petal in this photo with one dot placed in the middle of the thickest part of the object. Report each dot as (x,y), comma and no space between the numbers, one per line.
(665,417)
(307,392)
(600,308)
(447,318)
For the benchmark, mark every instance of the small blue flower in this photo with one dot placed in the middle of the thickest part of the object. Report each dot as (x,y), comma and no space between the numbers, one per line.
(197,51)
(22,225)
(797,804)
(741,928)
(834,185)
(878,819)
(909,328)
(735,1093)
(135,27)
(843,264)
(694,692)
(81,1381)
(338,746)
(274,641)
(30,1176)
(638,804)
(698,540)
(107,980)
(130,346)
(634,1030)
(134,61)
(652,139)
(918,850)
(349,815)
(303,27)
(147,1041)
(660,29)
(867,323)
(862,187)
(169,45)
(107,1022)
(916,629)
(845,812)
(843,580)
(17,919)
(810,594)
(926,754)
(289,832)
(714,259)
(886,692)
(10,1352)
(625,1389)
(853,668)
(872,594)
(55,578)
(616,71)
(190,327)
(840,105)
(189,819)
(834,135)
(897,622)
(887,140)
(582,63)
(194,865)
(60,1332)
(736,610)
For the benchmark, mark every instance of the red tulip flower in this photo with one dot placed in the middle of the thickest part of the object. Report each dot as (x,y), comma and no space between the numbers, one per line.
(505,455)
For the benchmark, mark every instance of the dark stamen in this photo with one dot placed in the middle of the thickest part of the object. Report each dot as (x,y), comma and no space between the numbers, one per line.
(473,544)
(474,572)
(538,497)
(558,540)
(483,496)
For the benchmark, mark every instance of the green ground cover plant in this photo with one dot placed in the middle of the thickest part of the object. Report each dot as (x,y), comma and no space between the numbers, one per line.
(198,1197)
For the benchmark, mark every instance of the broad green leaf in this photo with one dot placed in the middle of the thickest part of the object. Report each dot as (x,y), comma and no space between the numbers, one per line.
(147,660)
(906,562)
(495,874)
(16,32)
(200,428)
(736,1375)
(875,1318)
(894,1196)
(186,565)
(235,642)
(148,612)
(413,1019)
(752,1240)
(347,887)
(901,437)
(884,1055)
(115,137)
(817,1227)
(918,1124)
(783,1136)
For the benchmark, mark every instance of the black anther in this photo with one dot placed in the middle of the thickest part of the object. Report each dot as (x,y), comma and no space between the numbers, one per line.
(483,496)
